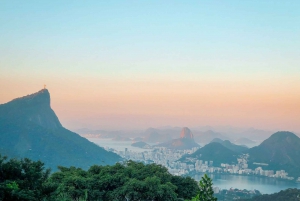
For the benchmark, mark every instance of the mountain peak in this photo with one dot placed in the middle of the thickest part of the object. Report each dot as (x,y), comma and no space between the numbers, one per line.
(281,151)
(186,133)
(282,137)
(40,97)
(283,134)
(34,108)
(30,128)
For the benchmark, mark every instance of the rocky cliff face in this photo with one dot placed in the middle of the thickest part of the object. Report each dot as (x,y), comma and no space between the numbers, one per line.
(34,108)
(186,141)
(30,128)
(186,133)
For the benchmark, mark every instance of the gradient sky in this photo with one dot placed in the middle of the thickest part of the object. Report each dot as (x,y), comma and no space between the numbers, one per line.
(136,64)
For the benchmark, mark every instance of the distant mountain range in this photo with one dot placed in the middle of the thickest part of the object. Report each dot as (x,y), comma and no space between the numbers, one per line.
(231,146)
(245,141)
(186,141)
(234,133)
(30,128)
(204,137)
(281,151)
(89,133)
(215,152)
(153,135)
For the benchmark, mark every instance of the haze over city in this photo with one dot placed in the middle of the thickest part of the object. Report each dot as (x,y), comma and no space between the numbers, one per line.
(134,65)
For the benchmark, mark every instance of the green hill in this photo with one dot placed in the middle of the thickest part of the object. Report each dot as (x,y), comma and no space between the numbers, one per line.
(215,152)
(29,128)
(281,151)
(285,195)
(231,146)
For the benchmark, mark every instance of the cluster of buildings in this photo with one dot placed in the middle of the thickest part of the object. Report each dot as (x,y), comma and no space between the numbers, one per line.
(161,155)
(234,194)
(169,159)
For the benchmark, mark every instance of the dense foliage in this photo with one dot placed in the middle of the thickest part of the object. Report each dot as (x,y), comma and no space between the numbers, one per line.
(23,180)
(206,192)
(285,195)
(28,180)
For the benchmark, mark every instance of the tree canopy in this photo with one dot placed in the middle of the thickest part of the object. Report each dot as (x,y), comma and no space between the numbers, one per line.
(129,181)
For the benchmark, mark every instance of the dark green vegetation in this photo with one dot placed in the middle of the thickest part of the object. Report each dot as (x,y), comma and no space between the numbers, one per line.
(206,192)
(285,195)
(281,151)
(231,146)
(29,128)
(27,180)
(236,194)
(23,180)
(213,151)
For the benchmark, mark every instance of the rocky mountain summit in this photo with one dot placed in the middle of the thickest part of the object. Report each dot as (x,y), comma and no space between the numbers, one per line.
(186,141)
(30,128)
(186,133)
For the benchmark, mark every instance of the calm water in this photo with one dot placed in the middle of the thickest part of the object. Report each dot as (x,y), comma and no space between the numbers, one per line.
(117,145)
(263,184)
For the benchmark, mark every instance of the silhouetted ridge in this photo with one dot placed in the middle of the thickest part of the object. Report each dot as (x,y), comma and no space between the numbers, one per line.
(34,108)
(30,128)
(282,136)
(215,152)
(40,97)
(281,151)
(186,141)
(231,146)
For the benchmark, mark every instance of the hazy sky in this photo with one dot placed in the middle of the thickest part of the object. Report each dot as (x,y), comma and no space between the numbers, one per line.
(136,64)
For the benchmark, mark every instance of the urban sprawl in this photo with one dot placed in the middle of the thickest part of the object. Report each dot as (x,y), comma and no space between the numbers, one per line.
(169,158)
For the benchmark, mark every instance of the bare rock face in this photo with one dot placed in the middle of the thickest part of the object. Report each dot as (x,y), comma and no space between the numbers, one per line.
(186,141)
(186,133)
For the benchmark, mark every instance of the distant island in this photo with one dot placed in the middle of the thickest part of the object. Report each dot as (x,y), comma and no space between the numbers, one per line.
(142,145)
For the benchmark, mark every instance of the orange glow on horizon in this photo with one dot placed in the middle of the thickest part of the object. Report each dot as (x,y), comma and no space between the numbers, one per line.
(257,103)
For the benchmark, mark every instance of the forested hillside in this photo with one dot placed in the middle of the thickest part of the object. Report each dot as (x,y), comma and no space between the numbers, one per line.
(27,180)
(291,194)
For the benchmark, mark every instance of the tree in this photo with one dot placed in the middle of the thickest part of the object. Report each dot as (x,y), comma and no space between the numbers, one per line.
(206,192)
(26,180)
(186,187)
(23,180)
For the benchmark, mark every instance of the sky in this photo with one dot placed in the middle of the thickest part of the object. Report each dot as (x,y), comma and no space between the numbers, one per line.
(138,64)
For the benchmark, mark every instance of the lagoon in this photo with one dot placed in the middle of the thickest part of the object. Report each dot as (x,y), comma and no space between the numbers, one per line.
(265,185)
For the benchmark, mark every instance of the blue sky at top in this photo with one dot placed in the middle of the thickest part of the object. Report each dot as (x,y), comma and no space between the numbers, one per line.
(151,37)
